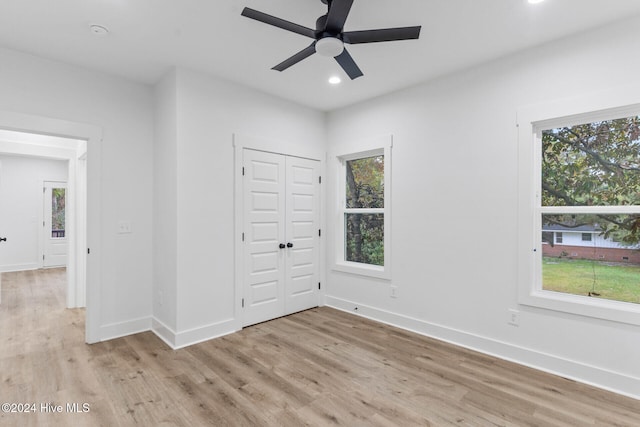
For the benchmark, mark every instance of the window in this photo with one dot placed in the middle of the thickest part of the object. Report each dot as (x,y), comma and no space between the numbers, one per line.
(58,212)
(362,241)
(364,210)
(583,184)
(588,172)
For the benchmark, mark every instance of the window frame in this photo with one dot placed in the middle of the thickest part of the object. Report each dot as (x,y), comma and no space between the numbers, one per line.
(363,149)
(531,121)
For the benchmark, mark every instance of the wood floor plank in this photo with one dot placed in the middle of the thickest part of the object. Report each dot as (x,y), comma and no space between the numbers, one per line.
(319,367)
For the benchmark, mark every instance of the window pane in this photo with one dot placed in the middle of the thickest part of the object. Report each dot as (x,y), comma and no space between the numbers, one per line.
(58,212)
(365,182)
(592,164)
(364,240)
(607,265)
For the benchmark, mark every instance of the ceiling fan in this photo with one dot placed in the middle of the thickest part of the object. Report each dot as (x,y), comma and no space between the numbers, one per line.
(329,37)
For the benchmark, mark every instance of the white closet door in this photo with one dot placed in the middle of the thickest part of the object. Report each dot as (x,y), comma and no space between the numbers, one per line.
(281,227)
(264,219)
(302,229)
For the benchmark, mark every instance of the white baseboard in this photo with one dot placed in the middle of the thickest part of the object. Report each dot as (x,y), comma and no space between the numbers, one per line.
(163,332)
(121,329)
(19,267)
(177,340)
(602,378)
(173,339)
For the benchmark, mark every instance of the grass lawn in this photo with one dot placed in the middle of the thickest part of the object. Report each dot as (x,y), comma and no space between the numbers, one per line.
(575,276)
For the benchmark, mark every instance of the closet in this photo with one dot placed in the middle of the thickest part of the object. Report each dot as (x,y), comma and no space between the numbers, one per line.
(281,223)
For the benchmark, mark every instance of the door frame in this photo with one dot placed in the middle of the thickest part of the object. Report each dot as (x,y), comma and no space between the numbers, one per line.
(83,272)
(240,143)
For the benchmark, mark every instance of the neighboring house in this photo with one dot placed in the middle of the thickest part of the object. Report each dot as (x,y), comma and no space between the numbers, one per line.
(585,242)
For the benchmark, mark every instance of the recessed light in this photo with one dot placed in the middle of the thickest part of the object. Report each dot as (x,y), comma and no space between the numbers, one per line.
(334,80)
(535,1)
(98,30)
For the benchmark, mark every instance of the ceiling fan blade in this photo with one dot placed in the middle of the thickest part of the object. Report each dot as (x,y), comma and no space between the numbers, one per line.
(349,65)
(338,12)
(304,53)
(278,22)
(384,35)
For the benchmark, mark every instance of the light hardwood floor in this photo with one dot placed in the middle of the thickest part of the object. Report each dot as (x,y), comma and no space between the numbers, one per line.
(319,367)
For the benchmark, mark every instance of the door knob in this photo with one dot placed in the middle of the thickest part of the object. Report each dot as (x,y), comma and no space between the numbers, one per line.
(282,246)
(289,245)
(3,239)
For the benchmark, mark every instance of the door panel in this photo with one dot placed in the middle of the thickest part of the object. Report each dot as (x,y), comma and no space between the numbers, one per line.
(264,211)
(281,206)
(55,246)
(303,218)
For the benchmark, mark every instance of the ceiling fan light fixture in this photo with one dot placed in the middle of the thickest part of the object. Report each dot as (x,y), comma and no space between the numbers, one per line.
(330,47)
(335,80)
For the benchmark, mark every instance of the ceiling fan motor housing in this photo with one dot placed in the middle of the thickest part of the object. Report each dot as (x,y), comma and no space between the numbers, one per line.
(329,45)
(320,24)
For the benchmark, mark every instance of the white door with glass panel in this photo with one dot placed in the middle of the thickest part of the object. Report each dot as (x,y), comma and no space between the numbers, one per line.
(281,217)
(55,244)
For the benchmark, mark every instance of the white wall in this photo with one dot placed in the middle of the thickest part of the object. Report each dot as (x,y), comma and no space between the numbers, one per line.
(209,112)
(21,208)
(124,112)
(455,199)
(165,208)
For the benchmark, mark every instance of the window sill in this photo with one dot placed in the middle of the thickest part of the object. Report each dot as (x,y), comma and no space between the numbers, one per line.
(615,311)
(363,269)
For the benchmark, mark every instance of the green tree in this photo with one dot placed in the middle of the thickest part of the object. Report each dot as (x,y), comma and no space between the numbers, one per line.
(58,205)
(594,164)
(365,231)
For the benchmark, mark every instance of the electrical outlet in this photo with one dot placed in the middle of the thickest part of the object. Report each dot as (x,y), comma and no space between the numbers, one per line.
(124,227)
(514,317)
(394,292)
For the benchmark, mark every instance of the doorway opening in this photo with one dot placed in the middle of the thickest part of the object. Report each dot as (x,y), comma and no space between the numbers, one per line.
(29,162)
(30,136)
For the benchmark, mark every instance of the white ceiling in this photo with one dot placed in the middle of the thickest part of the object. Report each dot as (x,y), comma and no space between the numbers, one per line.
(148,37)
